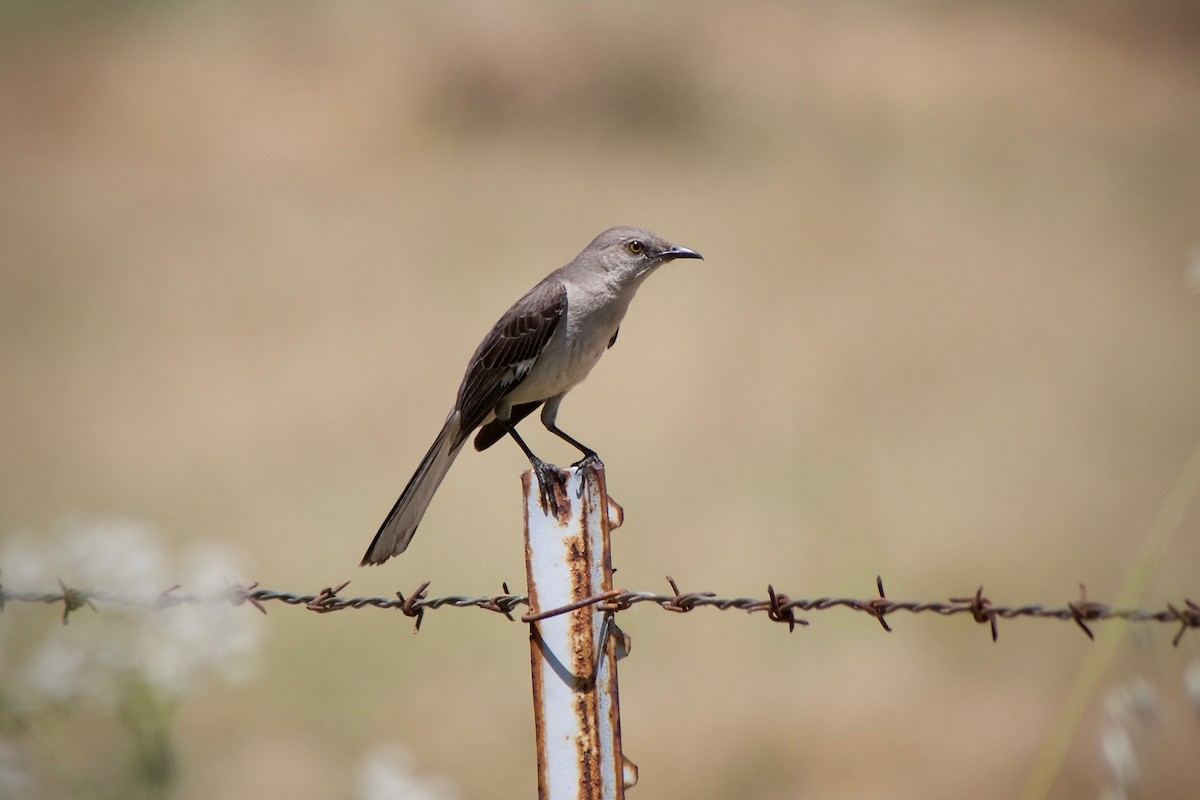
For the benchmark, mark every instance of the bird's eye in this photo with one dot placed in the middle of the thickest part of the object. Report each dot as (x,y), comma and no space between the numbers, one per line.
(636,247)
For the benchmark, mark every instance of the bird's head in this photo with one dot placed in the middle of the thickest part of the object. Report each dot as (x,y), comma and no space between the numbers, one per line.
(628,254)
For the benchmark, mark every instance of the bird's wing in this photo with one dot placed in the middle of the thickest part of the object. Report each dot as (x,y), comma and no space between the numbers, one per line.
(508,353)
(494,431)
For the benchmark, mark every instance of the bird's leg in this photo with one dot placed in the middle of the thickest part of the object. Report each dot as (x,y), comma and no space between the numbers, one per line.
(549,477)
(550,420)
(590,458)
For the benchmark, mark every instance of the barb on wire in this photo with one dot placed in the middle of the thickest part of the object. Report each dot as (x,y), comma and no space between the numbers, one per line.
(320,603)
(980,608)
(778,611)
(777,606)
(239,594)
(1084,612)
(683,603)
(879,606)
(409,605)
(1188,617)
(73,600)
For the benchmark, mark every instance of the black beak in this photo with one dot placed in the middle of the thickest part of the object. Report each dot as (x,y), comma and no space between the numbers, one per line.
(675,251)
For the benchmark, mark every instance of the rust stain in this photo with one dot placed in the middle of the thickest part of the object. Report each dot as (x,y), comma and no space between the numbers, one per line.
(584,655)
(536,661)
(562,501)
(525,486)
(615,517)
(614,709)
(629,775)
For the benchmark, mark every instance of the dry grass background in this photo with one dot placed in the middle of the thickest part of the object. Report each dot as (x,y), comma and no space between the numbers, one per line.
(945,332)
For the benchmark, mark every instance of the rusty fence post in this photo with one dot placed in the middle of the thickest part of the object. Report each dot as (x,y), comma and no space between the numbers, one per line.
(573,655)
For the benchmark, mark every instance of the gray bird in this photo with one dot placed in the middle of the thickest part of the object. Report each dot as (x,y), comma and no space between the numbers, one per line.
(541,348)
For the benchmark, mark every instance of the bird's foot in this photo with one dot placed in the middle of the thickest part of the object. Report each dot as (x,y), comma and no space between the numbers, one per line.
(589,461)
(588,467)
(551,481)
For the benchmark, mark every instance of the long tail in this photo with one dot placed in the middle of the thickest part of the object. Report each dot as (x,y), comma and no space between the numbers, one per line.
(397,530)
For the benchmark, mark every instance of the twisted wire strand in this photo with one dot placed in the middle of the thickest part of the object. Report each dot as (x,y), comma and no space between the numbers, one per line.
(777,606)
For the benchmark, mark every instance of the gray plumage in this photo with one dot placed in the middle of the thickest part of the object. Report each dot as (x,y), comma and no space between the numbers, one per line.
(540,349)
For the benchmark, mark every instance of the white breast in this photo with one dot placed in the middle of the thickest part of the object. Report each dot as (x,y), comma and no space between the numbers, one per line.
(580,339)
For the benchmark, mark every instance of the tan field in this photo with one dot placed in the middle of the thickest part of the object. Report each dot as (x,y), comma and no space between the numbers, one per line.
(947,331)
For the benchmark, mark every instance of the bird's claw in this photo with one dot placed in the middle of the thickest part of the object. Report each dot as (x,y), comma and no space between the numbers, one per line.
(589,461)
(551,480)
(589,467)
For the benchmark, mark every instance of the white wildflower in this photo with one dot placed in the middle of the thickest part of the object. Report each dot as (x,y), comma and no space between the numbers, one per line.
(96,656)
(1191,682)
(1119,754)
(1134,706)
(180,645)
(106,554)
(388,773)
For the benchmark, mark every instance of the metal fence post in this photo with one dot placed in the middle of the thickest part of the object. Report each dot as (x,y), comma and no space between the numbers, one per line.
(573,655)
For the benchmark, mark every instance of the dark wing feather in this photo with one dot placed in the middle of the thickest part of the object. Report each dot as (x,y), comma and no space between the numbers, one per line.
(494,431)
(507,354)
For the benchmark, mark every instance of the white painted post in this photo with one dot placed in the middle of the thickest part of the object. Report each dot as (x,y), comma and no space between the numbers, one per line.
(573,655)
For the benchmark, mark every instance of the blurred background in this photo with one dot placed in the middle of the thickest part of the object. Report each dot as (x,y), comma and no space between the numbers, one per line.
(947,331)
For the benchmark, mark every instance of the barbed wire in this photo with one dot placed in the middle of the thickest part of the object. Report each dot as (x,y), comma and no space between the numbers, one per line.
(777,606)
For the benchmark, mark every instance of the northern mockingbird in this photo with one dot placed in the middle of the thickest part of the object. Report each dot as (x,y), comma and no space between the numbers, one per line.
(539,350)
